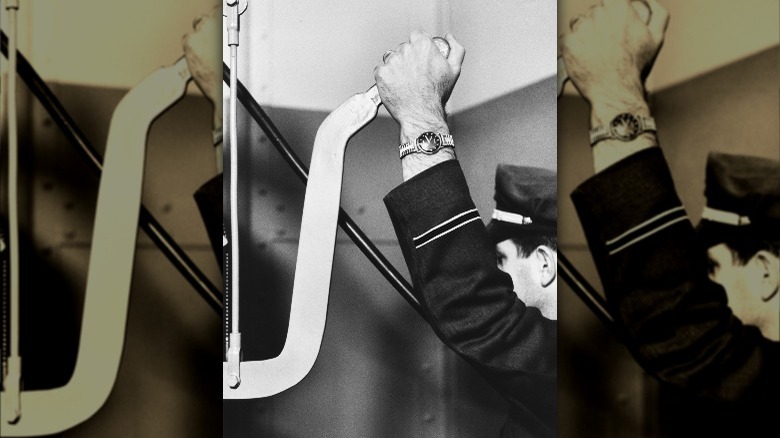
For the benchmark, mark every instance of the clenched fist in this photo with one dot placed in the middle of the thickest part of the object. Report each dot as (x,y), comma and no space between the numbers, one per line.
(416,80)
(610,49)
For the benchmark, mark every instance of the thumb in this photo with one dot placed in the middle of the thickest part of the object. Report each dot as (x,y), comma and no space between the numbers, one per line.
(642,10)
(457,53)
(659,20)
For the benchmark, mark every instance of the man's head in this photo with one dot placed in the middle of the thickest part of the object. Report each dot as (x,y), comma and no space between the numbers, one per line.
(741,231)
(525,233)
(749,271)
(532,264)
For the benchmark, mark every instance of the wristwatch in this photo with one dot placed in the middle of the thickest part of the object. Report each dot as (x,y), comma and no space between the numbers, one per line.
(427,143)
(624,127)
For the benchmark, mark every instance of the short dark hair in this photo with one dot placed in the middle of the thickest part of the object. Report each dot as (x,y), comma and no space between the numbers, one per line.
(743,249)
(527,243)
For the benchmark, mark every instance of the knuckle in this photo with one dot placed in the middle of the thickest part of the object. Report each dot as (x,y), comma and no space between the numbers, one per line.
(382,73)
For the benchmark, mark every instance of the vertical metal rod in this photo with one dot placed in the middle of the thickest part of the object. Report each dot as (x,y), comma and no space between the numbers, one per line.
(234,346)
(233,138)
(13,176)
(12,380)
(147,221)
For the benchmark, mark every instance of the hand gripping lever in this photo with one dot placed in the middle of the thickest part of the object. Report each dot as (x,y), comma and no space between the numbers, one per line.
(641,8)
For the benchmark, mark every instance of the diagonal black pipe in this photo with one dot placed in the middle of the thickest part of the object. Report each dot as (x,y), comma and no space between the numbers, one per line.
(347,224)
(582,288)
(148,223)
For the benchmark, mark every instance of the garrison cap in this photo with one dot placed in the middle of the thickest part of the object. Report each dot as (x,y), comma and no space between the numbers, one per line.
(526,202)
(743,198)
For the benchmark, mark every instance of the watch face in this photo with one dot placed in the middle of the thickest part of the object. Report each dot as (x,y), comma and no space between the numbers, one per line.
(428,143)
(625,127)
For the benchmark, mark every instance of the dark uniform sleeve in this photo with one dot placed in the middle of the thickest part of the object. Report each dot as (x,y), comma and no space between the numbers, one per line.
(469,302)
(654,271)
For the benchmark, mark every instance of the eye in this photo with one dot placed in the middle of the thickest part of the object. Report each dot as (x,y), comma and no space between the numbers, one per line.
(500,259)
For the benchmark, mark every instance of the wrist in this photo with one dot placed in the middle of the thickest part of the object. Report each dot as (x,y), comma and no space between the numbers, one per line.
(615,98)
(610,151)
(414,164)
(411,128)
(603,111)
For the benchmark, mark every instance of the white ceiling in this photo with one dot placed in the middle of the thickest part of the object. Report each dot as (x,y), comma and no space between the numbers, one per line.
(104,43)
(318,53)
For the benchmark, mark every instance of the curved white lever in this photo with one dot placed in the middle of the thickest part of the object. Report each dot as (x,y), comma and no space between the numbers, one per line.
(315,259)
(45,412)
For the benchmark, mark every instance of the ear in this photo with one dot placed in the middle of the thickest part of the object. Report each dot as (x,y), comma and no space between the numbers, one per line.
(548,264)
(769,268)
